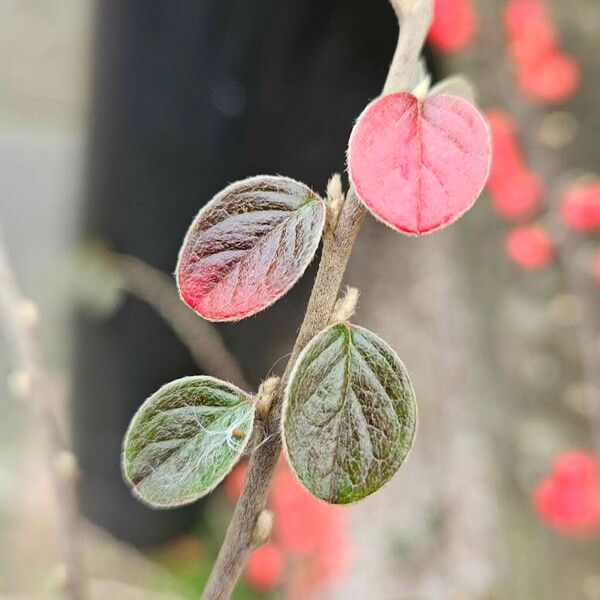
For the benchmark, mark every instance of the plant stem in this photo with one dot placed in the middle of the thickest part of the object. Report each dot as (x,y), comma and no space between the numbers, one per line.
(414,17)
(19,319)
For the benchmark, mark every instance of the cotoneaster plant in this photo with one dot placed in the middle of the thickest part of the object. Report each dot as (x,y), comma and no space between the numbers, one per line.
(344,408)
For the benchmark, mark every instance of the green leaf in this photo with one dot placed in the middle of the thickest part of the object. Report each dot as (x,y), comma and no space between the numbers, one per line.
(185,439)
(349,414)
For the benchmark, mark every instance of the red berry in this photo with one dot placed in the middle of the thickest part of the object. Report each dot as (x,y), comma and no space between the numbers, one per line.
(453,25)
(264,567)
(300,518)
(545,73)
(580,208)
(530,48)
(234,482)
(576,467)
(518,195)
(552,79)
(311,533)
(530,33)
(506,155)
(519,15)
(568,498)
(529,247)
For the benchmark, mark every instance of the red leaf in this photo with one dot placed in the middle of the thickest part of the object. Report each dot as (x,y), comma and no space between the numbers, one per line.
(529,247)
(453,25)
(248,246)
(417,164)
(507,158)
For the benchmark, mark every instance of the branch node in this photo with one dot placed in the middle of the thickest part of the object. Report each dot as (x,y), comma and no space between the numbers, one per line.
(19,384)
(421,90)
(29,313)
(345,307)
(263,527)
(60,576)
(266,393)
(66,465)
(335,200)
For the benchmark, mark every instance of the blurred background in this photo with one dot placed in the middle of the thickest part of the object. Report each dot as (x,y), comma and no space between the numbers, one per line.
(120,120)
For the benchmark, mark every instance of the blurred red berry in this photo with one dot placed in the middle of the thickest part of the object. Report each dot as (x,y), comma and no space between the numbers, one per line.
(506,155)
(264,567)
(453,25)
(309,536)
(232,485)
(515,190)
(519,15)
(568,498)
(545,73)
(518,195)
(580,208)
(529,247)
(531,48)
(552,79)
(529,30)
(301,519)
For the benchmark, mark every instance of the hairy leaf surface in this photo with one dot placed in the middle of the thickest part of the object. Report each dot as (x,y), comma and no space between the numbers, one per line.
(248,246)
(349,416)
(185,439)
(418,165)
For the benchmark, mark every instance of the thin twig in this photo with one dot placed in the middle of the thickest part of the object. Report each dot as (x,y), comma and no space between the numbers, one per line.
(200,337)
(414,17)
(18,318)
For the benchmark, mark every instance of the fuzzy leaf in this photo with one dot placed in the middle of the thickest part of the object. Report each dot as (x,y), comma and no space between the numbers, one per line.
(185,439)
(349,415)
(248,246)
(418,165)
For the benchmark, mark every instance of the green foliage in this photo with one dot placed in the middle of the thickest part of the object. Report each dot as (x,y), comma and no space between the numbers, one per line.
(184,440)
(349,416)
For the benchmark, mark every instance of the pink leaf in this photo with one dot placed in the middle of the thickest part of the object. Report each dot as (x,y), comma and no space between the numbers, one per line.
(248,246)
(418,165)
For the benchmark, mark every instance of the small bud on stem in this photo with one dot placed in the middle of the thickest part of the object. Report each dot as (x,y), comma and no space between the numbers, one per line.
(66,465)
(19,384)
(265,395)
(28,311)
(345,307)
(263,527)
(335,200)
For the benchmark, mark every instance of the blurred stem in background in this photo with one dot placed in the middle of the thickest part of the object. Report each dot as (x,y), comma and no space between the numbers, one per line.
(200,337)
(32,383)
